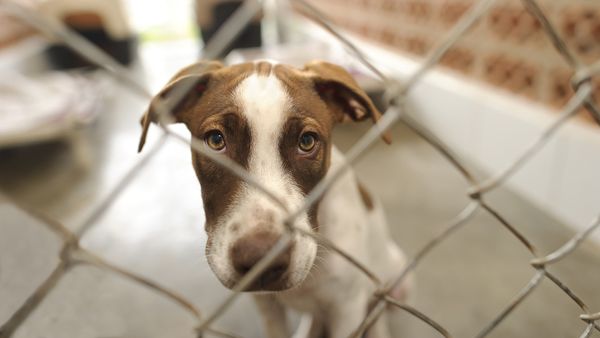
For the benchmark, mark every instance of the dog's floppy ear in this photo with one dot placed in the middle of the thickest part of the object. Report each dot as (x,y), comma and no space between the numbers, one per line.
(195,77)
(342,94)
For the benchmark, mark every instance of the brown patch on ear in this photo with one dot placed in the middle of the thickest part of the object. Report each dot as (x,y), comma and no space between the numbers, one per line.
(342,94)
(195,77)
(365,196)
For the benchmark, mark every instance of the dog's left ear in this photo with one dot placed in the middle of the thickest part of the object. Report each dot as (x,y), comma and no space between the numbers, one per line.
(342,94)
(194,78)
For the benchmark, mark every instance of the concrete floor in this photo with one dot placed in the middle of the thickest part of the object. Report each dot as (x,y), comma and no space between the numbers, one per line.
(155,229)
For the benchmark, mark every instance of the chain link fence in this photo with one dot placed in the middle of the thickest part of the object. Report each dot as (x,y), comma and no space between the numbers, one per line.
(396,94)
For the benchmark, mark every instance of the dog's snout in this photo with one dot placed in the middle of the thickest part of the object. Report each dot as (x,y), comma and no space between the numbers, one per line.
(250,249)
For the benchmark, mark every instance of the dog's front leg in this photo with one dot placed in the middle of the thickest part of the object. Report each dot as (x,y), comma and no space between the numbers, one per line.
(273,316)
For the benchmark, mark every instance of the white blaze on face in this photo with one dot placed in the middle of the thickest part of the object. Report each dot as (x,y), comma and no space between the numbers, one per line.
(264,104)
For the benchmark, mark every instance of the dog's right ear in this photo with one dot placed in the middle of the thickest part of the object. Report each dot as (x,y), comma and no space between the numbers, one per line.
(193,79)
(344,97)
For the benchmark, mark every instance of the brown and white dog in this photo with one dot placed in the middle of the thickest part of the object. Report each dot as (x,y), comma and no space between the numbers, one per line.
(276,122)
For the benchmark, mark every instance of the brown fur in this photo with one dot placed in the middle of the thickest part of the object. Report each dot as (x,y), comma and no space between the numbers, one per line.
(264,68)
(365,196)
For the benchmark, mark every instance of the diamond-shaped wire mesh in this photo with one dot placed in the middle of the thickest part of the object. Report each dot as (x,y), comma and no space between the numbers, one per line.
(72,254)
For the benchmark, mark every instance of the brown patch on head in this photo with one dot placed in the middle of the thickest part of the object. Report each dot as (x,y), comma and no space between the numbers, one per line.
(207,106)
(218,111)
(193,78)
(321,95)
(365,196)
(308,114)
(263,68)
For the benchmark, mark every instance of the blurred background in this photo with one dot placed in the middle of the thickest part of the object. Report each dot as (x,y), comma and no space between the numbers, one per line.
(69,132)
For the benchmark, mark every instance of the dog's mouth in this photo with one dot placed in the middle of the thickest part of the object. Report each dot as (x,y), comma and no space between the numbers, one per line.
(270,280)
(273,279)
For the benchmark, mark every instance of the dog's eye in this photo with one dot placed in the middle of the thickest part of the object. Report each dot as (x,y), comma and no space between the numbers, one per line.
(307,142)
(215,140)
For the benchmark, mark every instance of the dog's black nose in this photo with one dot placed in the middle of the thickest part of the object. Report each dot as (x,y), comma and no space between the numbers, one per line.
(250,249)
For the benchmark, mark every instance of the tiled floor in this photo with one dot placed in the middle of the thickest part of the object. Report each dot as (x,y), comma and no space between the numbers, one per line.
(155,229)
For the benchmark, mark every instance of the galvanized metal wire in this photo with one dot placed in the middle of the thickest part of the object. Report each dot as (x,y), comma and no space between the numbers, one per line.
(72,254)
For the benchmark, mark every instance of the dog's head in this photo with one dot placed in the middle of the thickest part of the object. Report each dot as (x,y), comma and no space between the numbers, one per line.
(276,122)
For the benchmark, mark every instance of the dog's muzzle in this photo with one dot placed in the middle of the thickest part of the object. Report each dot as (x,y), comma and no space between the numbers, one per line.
(247,251)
